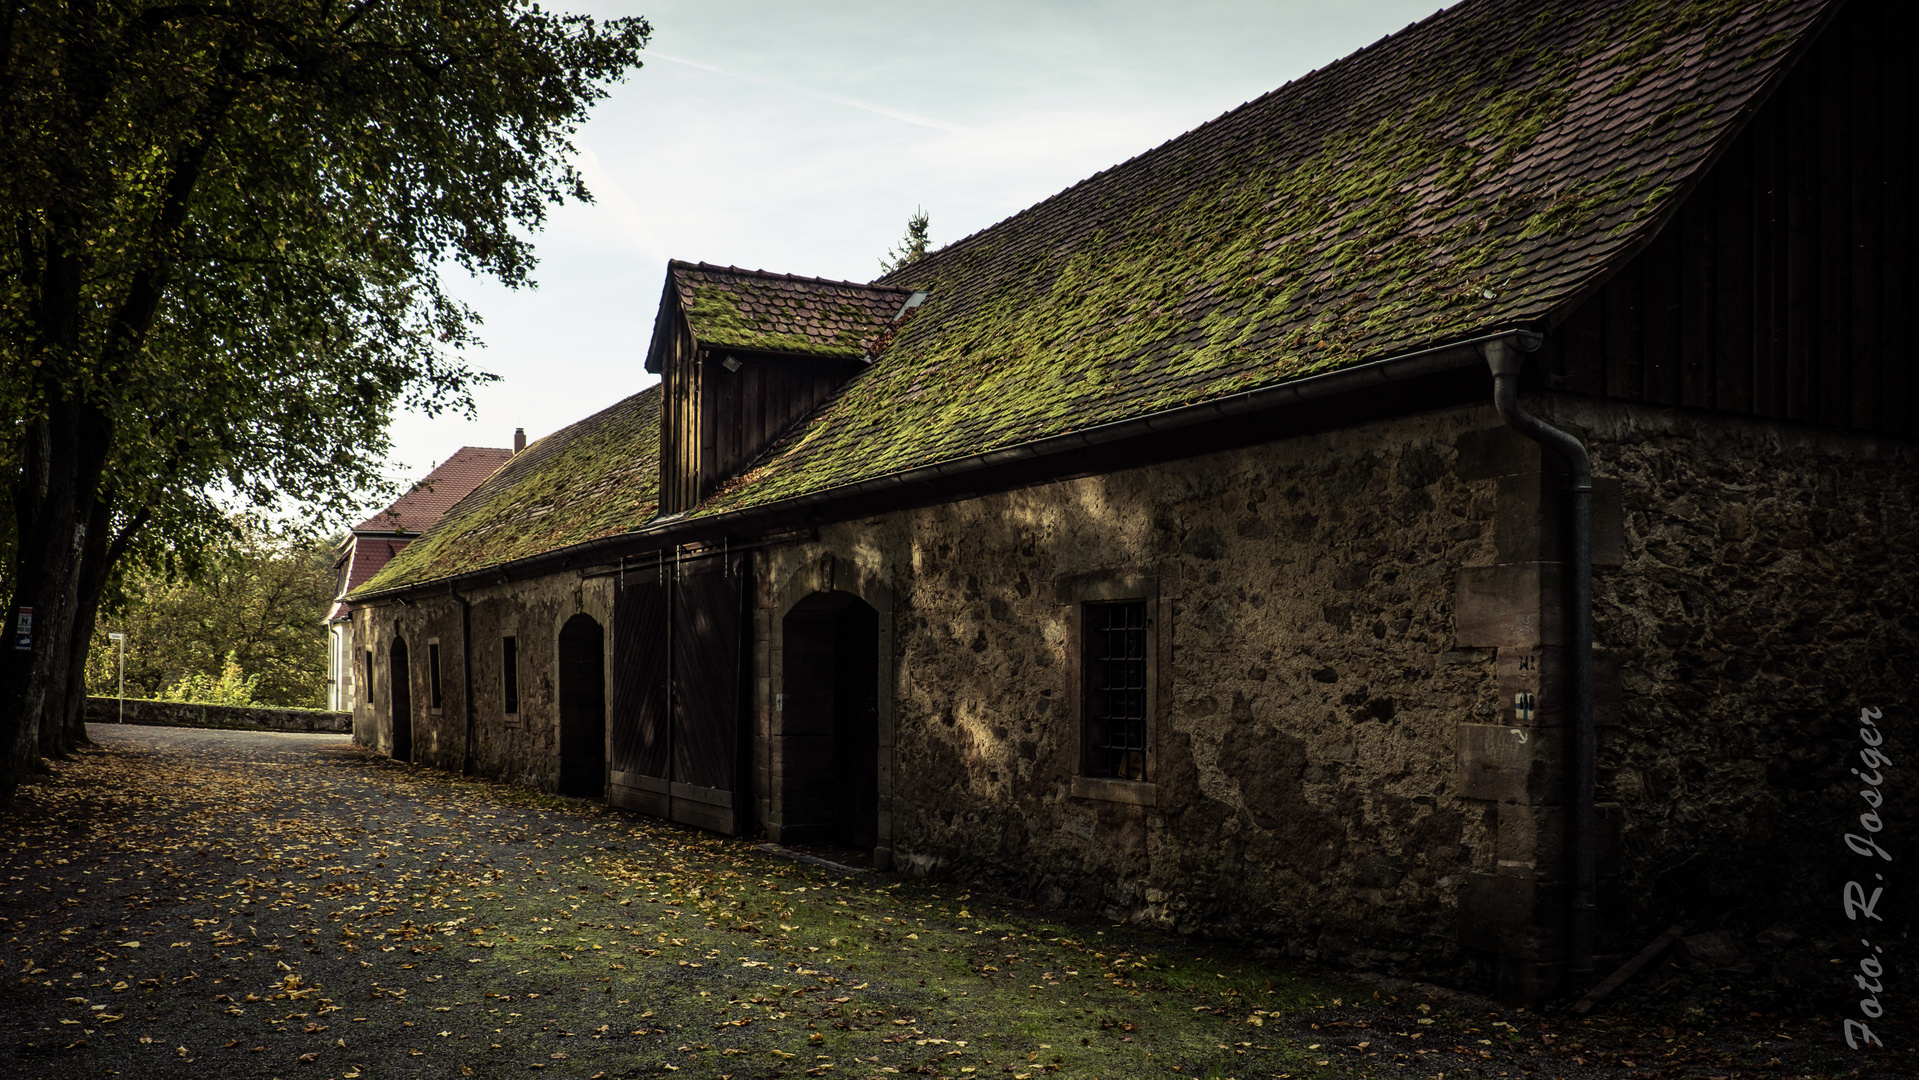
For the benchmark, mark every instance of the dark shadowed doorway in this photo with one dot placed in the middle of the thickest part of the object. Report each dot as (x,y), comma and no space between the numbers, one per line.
(830,722)
(582,708)
(400,699)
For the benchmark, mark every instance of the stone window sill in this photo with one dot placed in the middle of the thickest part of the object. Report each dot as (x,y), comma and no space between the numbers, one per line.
(1135,792)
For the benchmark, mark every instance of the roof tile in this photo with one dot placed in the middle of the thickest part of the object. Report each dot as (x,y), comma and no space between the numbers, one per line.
(1475,171)
(728,307)
(1479,170)
(435,493)
(589,480)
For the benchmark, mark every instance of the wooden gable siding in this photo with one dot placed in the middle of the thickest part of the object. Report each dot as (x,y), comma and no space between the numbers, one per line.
(751,407)
(679,418)
(717,421)
(1783,285)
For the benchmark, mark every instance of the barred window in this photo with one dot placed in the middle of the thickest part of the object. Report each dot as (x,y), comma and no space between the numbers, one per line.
(1114,636)
(433,674)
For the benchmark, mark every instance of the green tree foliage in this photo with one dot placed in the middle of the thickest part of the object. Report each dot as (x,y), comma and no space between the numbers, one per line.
(225,224)
(913,246)
(233,687)
(245,629)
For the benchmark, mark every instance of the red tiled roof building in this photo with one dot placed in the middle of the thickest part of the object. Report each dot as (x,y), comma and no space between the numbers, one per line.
(379,538)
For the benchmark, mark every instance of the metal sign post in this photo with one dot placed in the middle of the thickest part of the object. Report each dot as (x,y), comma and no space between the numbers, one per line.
(122,639)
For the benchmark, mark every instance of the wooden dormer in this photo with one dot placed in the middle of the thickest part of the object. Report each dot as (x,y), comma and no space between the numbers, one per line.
(742,355)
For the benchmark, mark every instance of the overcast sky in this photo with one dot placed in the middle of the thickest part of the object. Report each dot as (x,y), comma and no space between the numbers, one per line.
(799,136)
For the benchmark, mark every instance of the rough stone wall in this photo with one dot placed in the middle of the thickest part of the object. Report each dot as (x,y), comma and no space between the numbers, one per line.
(1333,764)
(1342,621)
(1303,761)
(1769,591)
(522,747)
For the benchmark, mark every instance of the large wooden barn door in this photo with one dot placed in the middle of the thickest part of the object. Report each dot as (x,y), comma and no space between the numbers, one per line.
(706,693)
(641,739)
(676,693)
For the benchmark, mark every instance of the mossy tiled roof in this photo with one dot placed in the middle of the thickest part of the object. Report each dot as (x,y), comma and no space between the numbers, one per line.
(593,479)
(728,307)
(1478,170)
(1481,170)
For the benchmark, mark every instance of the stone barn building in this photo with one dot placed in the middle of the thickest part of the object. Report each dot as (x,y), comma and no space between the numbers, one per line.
(1160,550)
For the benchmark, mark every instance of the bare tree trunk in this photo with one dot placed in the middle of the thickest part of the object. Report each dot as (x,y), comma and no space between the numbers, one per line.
(53,503)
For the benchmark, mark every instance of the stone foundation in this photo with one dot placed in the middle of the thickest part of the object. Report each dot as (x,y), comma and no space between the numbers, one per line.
(103,710)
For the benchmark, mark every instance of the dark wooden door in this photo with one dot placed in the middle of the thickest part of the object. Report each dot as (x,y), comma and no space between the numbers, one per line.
(706,692)
(641,746)
(856,725)
(677,715)
(400,700)
(582,708)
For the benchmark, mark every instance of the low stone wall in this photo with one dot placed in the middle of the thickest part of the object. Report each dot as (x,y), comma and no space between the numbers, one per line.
(105,710)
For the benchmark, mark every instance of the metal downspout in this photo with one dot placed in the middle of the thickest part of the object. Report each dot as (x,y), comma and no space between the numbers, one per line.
(1505,361)
(466,678)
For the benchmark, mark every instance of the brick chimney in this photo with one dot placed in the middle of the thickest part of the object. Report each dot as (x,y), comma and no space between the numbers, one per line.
(519,439)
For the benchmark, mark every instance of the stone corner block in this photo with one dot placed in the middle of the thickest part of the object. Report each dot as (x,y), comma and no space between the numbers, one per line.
(1507,606)
(1513,917)
(1530,983)
(1501,763)
(1498,451)
(1532,520)
(1545,673)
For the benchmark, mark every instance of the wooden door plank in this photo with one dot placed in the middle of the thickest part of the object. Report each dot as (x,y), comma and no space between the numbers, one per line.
(1768,252)
(640,731)
(1900,415)
(1625,364)
(707,675)
(1733,284)
(1835,219)
(1865,228)
(1659,316)
(1802,220)
(1696,278)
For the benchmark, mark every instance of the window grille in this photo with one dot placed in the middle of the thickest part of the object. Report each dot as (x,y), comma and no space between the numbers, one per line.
(1114,636)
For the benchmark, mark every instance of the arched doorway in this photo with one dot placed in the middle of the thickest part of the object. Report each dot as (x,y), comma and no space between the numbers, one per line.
(829,777)
(582,708)
(400,701)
